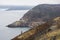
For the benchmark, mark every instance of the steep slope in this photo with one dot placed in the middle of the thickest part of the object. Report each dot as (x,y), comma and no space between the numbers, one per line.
(46,31)
(54,33)
(38,15)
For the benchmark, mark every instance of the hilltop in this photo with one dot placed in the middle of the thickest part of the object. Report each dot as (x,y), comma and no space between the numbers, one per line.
(38,15)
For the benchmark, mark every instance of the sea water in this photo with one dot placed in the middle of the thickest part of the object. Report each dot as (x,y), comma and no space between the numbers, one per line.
(8,17)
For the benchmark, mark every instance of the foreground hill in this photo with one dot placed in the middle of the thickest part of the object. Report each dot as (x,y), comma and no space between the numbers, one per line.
(54,33)
(47,31)
(38,15)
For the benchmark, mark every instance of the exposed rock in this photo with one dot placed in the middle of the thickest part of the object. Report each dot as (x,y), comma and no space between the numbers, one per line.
(18,24)
(38,15)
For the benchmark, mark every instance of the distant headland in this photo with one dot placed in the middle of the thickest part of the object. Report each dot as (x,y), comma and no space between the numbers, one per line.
(38,15)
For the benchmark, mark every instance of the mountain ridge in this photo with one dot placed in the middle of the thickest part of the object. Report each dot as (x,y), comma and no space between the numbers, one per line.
(38,15)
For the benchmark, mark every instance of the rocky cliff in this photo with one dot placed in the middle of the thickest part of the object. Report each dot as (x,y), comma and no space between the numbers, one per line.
(38,15)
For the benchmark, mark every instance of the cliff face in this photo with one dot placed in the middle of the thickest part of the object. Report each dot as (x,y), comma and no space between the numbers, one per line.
(38,15)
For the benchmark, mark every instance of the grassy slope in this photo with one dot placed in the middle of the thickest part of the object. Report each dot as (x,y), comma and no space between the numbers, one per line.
(51,35)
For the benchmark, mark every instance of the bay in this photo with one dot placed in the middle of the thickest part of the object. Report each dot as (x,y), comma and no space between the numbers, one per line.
(8,17)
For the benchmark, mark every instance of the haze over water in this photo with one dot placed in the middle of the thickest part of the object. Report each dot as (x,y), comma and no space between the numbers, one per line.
(8,17)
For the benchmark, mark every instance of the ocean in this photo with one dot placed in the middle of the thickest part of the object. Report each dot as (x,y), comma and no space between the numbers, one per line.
(8,17)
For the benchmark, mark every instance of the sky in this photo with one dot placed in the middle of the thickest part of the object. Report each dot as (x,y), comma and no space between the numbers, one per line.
(28,2)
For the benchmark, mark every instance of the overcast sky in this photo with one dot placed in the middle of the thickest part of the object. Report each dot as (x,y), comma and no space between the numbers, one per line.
(27,2)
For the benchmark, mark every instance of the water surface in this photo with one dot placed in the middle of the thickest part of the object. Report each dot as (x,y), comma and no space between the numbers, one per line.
(7,17)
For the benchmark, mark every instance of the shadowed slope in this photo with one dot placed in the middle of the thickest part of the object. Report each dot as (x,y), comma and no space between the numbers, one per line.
(38,15)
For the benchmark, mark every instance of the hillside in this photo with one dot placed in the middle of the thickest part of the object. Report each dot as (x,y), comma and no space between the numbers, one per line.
(54,33)
(47,31)
(38,15)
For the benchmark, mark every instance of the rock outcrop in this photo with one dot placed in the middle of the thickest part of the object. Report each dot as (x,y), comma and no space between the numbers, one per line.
(38,15)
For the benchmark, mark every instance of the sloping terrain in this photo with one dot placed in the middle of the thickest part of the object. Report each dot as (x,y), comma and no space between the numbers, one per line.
(38,15)
(54,33)
(47,31)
